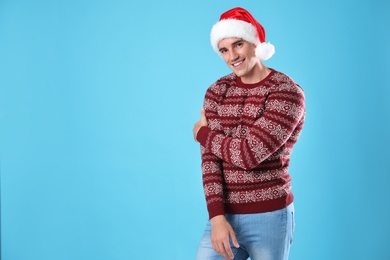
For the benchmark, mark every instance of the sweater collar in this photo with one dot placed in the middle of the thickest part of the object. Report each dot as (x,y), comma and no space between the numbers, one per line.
(253,85)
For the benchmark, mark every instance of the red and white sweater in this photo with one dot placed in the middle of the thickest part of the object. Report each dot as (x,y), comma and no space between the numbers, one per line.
(247,145)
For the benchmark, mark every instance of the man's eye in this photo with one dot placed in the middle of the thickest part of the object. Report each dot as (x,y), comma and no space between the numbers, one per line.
(222,51)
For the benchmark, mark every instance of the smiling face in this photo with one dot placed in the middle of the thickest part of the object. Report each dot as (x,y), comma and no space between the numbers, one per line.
(240,56)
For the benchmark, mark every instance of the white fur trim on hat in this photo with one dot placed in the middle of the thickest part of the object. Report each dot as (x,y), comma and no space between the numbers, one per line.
(232,28)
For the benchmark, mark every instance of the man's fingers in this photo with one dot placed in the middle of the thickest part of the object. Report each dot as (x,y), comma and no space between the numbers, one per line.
(202,113)
(218,247)
(223,248)
(203,118)
(227,250)
(234,240)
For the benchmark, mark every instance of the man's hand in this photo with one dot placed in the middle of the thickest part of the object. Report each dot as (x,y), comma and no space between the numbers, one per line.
(200,123)
(221,232)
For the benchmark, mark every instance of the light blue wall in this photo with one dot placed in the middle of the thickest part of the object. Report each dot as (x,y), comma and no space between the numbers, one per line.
(97,103)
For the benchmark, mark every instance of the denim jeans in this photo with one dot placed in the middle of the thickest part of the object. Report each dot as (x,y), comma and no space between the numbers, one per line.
(262,236)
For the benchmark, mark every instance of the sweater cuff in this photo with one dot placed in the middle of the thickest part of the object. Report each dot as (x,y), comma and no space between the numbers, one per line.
(216,210)
(202,135)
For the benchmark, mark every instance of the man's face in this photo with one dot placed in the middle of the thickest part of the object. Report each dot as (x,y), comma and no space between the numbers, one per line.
(239,55)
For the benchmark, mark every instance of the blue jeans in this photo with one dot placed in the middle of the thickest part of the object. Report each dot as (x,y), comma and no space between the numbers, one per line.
(262,236)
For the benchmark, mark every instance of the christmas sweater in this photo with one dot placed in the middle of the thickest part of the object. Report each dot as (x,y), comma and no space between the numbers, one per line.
(246,146)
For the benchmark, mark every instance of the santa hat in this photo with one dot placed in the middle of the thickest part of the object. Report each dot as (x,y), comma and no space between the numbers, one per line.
(239,23)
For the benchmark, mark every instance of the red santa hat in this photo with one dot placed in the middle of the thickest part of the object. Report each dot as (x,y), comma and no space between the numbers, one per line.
(239,23)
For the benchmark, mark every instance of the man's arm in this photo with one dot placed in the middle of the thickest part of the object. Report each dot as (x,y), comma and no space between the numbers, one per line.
(221,230)
(283,113)
(211,175)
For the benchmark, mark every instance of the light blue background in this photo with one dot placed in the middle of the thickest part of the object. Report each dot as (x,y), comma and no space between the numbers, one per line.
(97,103)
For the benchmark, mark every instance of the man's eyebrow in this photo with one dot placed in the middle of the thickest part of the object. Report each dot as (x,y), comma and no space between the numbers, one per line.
(238,41)
(234,43)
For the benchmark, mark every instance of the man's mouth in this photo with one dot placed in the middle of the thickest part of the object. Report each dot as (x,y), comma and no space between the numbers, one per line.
(237,63)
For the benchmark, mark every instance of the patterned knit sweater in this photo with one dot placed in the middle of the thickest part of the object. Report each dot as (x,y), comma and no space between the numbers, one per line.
(247,145)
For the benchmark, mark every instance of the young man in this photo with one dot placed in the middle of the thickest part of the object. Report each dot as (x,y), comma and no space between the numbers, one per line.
(249,123)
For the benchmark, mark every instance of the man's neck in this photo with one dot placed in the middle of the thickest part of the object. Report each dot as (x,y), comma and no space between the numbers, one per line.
(257,74)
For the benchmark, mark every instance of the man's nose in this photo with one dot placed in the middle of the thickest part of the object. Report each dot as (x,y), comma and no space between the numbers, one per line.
(233,55)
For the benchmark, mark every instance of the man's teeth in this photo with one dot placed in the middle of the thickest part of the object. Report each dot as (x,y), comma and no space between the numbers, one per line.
(237,64)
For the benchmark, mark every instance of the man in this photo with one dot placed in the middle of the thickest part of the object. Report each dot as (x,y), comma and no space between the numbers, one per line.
(249,123)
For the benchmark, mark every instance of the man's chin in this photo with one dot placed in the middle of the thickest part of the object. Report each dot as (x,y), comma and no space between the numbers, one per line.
(238,73)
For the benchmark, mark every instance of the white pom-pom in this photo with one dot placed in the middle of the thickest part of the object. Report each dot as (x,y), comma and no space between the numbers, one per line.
(264,51)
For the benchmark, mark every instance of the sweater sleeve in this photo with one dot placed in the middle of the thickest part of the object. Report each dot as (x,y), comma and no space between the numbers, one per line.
(212,183)
(284,112)
(212,165)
